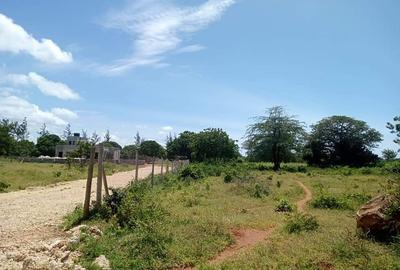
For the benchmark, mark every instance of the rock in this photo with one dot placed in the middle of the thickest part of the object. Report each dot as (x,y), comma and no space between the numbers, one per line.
(96,231)
(102,262)
(57,244)
(371,219)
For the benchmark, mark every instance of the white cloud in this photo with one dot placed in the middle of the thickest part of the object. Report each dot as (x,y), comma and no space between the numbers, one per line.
(47,87)
(14,39)
(17,108)
(191,48)
(165,130)
(64,113)
(159,28)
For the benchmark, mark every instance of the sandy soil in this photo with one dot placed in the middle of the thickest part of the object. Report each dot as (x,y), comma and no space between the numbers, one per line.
(308,197)
(35,213)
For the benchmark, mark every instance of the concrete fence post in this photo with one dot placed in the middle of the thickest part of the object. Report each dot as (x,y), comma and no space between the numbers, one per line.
(86,203)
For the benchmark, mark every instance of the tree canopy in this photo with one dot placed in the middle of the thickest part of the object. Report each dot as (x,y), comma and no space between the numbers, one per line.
(342,140)
(276,137)
(181,146)
(151,149)
(395,129)
(46,144)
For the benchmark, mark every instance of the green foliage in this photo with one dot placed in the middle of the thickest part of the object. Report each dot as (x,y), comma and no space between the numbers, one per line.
(389,154)
(114,201)
(208,145)
(301,222)
(325,201)
(276,137)
(73,218)
(395,129)
(46,144)
(342,140)
(283,206)
(194,172)
(129,151)
(151,149)
(228,178)
(259,190)
(4,186)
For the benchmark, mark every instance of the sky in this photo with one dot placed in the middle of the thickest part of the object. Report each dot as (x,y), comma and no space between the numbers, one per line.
(165,66)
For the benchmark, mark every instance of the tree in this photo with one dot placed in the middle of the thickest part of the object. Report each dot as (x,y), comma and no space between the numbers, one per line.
(43,130)
(342,140)
(46,145)
(389,154)
(21,130)
(276,137)
(67,132)
(151,149)
(107,136)
(395,129)
(181,146)
(84,134)
(138,139)
(213,144)
(24,148)
(6,139)
(128,151)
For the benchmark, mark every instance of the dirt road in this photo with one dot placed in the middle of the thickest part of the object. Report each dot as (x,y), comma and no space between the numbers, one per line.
(35,213)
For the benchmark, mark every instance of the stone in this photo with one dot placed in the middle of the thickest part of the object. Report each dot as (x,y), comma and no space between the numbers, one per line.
(102,262)
(373,221)
(95,231)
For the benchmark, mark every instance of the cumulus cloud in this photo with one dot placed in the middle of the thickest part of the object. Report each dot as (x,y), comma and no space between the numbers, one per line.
(14,39)
(159,27)
(166,130)
(64,113)
(47,87)
(17,108)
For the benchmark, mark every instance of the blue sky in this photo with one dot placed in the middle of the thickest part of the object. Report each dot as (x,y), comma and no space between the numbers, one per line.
(157,66)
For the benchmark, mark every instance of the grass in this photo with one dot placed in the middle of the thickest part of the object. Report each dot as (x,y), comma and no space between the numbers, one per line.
(199,215)
(18,176)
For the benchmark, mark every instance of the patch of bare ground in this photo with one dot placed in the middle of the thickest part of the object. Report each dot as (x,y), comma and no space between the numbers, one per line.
(308,197)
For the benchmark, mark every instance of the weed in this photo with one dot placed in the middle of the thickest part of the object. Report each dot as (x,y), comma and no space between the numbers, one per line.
(284,206)
(324,201)
(301,222)
(4,186)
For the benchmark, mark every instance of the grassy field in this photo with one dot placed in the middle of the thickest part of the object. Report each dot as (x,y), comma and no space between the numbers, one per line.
(185,222)
(20,175)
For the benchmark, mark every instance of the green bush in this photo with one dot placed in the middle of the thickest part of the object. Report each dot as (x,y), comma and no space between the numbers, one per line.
(114,201)
(284,206)
(3,186)
(228,178)
(259,190)
(324,201)
(192,172)
(301,222)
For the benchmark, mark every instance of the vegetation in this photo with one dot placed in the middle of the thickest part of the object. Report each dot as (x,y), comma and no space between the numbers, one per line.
(211,144)
(20,175)
(389,154)
(341,140)
(151,149)
(395,129)
(276,138)
(185,220)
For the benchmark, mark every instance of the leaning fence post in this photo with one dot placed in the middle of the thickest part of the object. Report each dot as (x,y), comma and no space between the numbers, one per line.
(152,171)
(99,175)
(105,183)
(86,203)
(137,165)
(162,168)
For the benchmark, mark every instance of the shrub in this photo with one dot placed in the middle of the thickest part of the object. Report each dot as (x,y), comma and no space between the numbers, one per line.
(191,171)
(278,184)
(259,190)
(284,206)
(301,222)
(115,199)
(328,202)
(228,178)
(57,174)
(4,186)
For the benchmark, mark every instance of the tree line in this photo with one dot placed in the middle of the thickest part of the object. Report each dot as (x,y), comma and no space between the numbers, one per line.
(274,137)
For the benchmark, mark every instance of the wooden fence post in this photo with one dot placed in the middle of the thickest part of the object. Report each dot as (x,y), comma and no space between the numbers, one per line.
(105,183)
(86,203)
(167,169)
(137,165)
(152,171)
(162,168)
(99,175)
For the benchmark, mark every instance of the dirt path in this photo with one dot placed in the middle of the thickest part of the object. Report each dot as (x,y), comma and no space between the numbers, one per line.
(248,238)
(303,202)
(35,213)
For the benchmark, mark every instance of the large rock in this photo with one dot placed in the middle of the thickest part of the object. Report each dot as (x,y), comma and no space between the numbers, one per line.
(102,262)
(371,219)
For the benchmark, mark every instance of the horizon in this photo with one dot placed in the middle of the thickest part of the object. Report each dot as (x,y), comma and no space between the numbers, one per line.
(160,67)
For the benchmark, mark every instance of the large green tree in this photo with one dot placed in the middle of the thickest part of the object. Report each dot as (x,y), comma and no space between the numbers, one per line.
(46,144)
(128,151)
(342,140)
(276,137)
(181,146)
(395,129)
(151,149)
(6,139)
(214,144)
